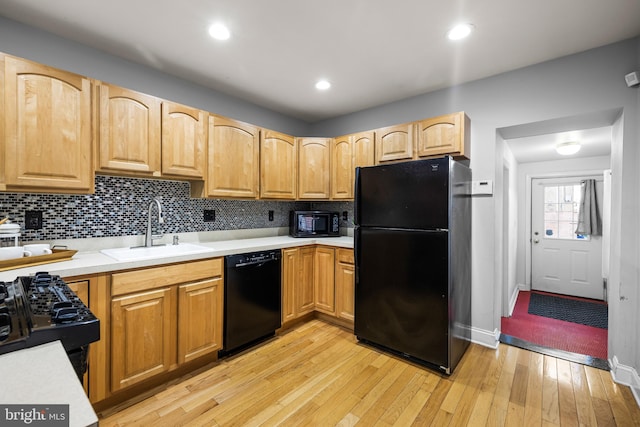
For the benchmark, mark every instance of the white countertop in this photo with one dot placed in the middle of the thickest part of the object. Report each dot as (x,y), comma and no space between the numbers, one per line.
(93,261)
(43,375)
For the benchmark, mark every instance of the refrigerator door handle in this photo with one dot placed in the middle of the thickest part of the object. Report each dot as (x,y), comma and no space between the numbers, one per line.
(356,254)
(356,198)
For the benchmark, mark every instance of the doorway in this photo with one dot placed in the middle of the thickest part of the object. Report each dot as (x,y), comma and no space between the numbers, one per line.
(563,262)
(565,269)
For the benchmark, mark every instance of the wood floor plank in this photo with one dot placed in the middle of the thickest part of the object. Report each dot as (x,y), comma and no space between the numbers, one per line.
(319,375)
(584,404)
(566,397)
(533,402)
(550,402)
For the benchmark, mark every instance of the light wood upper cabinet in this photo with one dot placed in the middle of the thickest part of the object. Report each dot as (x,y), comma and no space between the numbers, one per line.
(130,131)
(395,143)
(342,180)
(447,134)
(200,314)
(323,279)
(234,149)
(314,156)
(278,165)
(184,139)
(363,149)
(142,333)
(46,129)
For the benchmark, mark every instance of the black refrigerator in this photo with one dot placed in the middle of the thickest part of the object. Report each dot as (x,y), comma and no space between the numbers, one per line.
(413,260)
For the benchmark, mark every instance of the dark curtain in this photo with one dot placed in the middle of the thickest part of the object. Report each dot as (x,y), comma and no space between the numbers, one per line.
(589,221)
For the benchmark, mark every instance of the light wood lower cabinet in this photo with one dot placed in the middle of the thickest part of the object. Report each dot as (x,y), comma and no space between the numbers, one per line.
(162,317)
(143,342)
(345,284)
(200,313)
(318,278)
(324,280)
(297,283)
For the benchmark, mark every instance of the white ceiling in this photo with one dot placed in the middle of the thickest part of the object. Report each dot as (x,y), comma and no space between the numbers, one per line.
(373,51)
(593,143)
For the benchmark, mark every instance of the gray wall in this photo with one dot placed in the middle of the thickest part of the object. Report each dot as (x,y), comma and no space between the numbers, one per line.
(578,85)
(29,43)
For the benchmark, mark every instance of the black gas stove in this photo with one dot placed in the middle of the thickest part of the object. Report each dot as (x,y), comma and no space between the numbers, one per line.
(39,309)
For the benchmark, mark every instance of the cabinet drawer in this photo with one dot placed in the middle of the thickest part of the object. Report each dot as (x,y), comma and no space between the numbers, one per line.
(165,275)
(345,256)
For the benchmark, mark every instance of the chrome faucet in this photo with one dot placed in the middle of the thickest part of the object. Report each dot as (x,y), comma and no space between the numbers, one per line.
(149,237)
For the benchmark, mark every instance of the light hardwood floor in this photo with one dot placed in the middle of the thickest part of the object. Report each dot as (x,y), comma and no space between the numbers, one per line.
(318,375)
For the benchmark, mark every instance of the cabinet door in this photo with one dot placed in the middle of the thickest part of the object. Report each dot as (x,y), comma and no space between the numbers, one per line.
(342,180)
(290,277)
(47,128)
(278,165)
(143,339)
(345,284)
(324,281)
(363,149)
(304,288)
(233,159)
(314,155)
(129,131)
(184,140)
(200,313)
(395,143)
(447,134)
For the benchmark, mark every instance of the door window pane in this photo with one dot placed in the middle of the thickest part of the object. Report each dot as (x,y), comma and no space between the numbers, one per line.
(561,209)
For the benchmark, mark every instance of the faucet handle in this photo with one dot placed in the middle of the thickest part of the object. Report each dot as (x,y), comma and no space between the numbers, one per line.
(175,239)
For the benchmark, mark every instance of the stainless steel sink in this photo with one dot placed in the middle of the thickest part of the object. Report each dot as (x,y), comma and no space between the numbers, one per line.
(143,252)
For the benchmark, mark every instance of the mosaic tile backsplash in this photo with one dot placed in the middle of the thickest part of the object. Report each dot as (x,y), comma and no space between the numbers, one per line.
(119,207)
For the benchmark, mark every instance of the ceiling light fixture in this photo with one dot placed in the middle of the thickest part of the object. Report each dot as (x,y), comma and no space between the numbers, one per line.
(219,31)
(323,85)
(459,31)
(568,148)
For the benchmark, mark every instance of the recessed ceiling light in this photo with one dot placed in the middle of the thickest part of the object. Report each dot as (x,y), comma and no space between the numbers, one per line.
(219,31)
(568,148)
(323,85)
(459,31)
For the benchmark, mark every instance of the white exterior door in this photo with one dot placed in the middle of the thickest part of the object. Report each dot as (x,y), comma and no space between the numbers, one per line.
(561,261)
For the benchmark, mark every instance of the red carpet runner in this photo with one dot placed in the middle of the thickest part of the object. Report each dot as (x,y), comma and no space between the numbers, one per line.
(554,333)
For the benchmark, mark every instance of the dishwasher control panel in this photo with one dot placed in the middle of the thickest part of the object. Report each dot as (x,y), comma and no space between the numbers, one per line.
(253,258)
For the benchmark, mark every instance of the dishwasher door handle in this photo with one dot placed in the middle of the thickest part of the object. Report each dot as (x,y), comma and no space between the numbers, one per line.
(258,263)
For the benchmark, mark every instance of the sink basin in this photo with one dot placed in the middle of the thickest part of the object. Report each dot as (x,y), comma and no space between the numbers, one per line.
(142,253)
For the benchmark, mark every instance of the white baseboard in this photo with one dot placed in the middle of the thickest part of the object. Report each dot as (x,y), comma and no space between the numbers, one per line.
(485,338)
(626,375)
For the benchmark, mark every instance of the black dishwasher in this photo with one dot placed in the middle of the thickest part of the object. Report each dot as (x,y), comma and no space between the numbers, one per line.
(252,299)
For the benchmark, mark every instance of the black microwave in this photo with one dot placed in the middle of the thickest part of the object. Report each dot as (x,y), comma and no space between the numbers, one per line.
(314,224)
